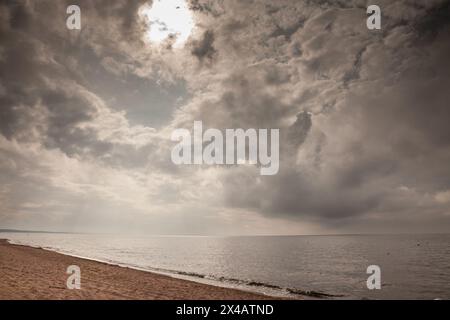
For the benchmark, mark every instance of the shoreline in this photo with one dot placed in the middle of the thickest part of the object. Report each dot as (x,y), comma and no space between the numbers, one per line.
(38,274)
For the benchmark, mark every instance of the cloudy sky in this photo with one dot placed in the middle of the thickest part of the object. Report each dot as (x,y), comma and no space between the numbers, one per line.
(86,116)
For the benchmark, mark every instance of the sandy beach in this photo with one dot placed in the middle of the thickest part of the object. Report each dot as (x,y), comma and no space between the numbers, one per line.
(32,273)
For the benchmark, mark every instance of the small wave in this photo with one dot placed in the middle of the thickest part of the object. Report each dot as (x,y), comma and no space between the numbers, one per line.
(251,283)
(20,243)
(315,294)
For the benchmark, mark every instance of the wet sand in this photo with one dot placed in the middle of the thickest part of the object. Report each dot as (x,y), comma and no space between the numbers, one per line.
(32,273)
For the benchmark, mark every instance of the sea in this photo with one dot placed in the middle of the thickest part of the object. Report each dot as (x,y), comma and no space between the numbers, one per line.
(311,267)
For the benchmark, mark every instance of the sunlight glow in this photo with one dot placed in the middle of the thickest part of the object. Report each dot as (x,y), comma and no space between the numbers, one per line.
(168,19)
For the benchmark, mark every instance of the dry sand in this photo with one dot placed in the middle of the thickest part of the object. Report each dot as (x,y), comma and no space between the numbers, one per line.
(31,273)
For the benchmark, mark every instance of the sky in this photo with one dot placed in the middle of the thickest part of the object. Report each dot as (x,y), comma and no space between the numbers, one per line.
(86,116)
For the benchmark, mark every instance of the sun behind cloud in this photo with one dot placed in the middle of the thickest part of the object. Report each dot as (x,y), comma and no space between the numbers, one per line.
(168,19)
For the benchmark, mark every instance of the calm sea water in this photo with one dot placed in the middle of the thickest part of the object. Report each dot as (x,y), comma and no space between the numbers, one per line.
(412,266)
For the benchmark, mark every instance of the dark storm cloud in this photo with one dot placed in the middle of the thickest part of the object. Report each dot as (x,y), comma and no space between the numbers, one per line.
(54,126)
(363,115)
(39,76)
(382,140)
(204,7)
(204,49)
(353,73)
(300,129)
(434,20)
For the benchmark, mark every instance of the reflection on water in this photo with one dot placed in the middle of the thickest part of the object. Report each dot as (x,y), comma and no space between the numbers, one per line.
(412,266)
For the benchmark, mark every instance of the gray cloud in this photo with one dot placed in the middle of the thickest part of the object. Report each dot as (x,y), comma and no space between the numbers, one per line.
(86,117)
(204,49)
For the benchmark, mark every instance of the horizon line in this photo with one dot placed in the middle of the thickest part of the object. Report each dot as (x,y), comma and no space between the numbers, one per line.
(218,235)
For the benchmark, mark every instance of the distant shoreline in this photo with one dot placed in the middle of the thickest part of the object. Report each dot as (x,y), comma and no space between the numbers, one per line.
(243,235)
(34,273)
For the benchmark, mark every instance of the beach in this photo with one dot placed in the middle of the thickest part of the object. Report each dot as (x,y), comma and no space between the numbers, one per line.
(34,273)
